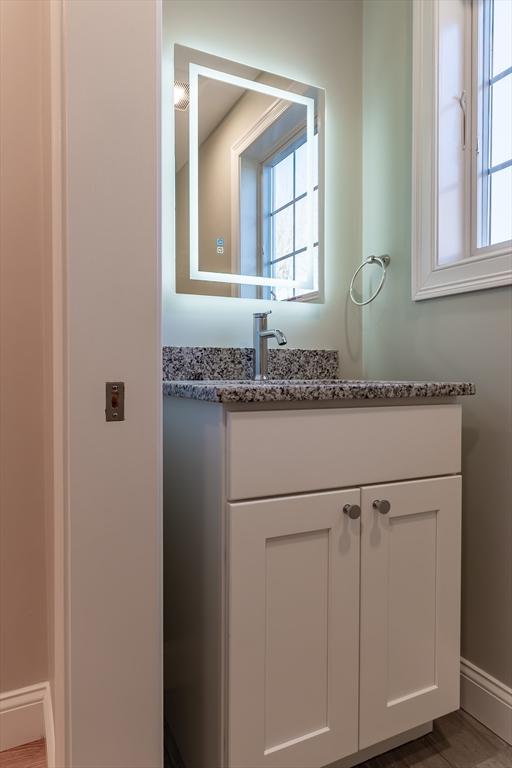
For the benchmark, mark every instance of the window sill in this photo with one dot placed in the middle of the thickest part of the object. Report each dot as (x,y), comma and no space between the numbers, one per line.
(490,270)
(313,296)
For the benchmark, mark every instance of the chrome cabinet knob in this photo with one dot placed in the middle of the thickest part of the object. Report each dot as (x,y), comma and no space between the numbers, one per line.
(352,510)
(382,505)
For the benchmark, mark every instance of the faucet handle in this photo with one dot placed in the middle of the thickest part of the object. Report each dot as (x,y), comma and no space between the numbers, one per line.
(262,314)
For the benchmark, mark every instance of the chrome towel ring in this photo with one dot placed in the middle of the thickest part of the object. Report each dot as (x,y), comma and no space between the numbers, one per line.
(383,262)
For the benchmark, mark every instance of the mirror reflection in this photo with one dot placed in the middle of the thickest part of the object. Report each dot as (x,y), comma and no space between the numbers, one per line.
(248,181)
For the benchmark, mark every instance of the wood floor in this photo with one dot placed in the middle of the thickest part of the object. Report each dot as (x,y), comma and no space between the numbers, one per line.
(31,755)
(457,741)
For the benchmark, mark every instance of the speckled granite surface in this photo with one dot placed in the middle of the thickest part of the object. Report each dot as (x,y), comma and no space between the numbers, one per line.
(243,391)
(198,363)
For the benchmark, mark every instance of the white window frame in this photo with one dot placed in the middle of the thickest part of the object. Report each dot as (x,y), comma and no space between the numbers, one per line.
(483,166)
(478,268)
(287,147)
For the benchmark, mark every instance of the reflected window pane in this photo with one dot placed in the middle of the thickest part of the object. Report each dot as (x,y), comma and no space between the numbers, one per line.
(282,294)
(501,206)
(502,48)
(315,160)
(282,182)
(283,269)
(288,258)
(315,216)
(501,121)
(282,232)
(304,269)
(301,224)
(301,167)
(301,170)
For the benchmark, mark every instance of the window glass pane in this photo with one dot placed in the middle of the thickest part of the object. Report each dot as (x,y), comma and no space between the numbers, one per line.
(304,269)
(315,161)
(289,226)
(283,269)
(282,294)
(315,216)
(301,167)
(451,176)
(282,232)
(301,170)
(502,48)
(501,121)
(282,182)
(301,223)
(308,272)
(501,206)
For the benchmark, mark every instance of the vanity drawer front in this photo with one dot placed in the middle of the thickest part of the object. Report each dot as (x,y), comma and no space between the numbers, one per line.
(277,452)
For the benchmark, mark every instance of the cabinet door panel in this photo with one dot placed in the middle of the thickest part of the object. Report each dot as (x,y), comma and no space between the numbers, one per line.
(294,616)
(410,606)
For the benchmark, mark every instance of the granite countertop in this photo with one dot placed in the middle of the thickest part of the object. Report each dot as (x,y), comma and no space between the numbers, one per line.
(200,363)
(246,391)
(224,375)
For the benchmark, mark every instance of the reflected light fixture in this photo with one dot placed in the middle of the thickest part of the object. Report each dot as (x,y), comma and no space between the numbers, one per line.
(181,95)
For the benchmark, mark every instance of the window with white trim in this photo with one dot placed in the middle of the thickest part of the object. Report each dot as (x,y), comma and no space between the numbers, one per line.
(285,218)
(462,146)
(494,122)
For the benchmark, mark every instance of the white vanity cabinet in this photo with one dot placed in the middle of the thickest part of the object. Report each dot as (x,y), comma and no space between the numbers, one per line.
(298,635)
(293,630)
(410,606)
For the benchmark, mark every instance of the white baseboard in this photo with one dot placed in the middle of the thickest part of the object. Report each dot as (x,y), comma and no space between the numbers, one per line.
(486,699)
(26,715)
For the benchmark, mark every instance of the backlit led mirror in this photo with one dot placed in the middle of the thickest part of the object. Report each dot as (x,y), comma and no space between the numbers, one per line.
(249,181)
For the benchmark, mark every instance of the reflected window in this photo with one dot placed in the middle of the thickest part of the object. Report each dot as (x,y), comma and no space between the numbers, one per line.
(285,220)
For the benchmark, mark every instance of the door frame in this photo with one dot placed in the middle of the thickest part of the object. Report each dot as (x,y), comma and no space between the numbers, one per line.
(57,589)
(69,652)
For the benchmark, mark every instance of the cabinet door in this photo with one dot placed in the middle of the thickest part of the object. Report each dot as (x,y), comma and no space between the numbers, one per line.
(293,631)
(410,606)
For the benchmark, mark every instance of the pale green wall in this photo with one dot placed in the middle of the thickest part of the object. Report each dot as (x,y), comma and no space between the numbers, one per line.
(468,336)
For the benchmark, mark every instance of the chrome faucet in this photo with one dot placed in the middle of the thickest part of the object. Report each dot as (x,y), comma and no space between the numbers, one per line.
(261,336)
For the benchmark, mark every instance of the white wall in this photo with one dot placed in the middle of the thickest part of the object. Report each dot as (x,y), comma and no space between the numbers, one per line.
(317,43)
